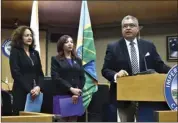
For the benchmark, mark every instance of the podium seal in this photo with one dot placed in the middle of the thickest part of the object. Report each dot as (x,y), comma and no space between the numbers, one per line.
(170,88)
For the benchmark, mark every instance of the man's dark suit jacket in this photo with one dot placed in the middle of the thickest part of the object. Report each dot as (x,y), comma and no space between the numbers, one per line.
(65,76)
(117,58)
(24,73)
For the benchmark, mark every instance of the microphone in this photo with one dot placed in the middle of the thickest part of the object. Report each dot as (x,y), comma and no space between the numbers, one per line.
(144,58)
(147,71)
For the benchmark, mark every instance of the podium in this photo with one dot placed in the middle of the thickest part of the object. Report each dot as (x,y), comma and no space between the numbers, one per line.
(147,89)
(29,117)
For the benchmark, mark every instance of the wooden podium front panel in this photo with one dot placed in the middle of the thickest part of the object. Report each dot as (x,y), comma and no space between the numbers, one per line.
(29,117)
(148,87)
(35,118)
(166,116)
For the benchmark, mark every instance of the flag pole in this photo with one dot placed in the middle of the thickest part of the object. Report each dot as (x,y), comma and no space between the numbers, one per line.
(86,112)
(34,24)
(86,115)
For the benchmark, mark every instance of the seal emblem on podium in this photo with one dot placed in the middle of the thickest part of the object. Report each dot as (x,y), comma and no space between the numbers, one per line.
(170,88)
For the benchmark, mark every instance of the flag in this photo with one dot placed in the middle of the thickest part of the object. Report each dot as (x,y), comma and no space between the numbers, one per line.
(86,51)
(34,24)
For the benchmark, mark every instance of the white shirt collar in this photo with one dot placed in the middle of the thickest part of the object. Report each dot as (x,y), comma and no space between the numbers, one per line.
(128,42)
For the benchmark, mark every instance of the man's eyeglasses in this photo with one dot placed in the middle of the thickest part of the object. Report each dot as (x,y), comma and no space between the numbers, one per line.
(129,25)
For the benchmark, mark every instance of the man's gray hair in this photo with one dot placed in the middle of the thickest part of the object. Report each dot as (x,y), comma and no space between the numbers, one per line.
(130,17)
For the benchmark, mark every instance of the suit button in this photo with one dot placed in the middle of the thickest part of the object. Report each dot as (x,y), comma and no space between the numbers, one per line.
(72,79)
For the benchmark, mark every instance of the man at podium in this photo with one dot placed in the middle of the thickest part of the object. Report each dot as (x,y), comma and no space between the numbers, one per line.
(127,57)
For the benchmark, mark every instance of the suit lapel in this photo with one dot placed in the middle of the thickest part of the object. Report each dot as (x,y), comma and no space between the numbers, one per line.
(141,55)
(33,56)
(63,62)
(125,52)
(74,63)
(30,60)
(67,63)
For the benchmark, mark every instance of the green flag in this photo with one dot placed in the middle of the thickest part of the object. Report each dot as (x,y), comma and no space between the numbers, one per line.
(86,51)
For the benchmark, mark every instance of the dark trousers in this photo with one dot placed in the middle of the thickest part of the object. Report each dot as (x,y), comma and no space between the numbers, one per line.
(124,112)
(18,103)
(127,114)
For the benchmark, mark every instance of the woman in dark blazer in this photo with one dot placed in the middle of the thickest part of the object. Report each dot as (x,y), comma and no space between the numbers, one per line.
(25,66)
(67,71)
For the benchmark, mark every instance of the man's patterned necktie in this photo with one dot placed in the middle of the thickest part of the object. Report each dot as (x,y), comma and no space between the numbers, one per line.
(134,60)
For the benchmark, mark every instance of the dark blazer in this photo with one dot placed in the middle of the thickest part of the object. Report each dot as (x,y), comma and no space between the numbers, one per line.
(117,58)
(66,76)
(24,74)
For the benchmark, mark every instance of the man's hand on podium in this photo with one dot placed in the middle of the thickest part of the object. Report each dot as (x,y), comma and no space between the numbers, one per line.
(119,74)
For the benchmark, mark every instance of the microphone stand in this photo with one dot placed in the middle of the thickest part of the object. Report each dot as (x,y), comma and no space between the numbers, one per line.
(147,71)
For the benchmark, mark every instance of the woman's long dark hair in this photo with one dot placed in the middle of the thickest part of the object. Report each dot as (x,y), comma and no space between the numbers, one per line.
(17,37)
(60,44)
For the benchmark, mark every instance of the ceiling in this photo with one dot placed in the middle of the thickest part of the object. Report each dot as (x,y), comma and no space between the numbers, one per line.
(67,13)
